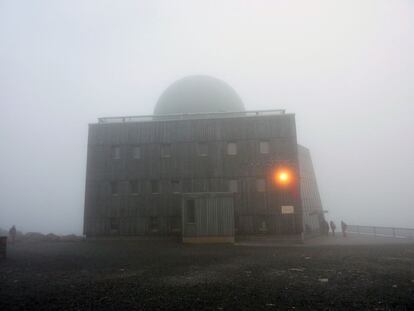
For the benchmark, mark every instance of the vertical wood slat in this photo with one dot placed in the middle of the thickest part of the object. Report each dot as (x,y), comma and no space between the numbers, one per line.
(206,174)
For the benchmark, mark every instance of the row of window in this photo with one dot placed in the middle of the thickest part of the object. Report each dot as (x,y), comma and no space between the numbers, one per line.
(153,224)
(202,150)
(134,186)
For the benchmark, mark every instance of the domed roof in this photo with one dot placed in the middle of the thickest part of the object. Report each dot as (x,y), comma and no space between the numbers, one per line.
(198,94)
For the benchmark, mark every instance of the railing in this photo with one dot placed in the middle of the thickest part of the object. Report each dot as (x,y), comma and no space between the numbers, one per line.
(184,116)
(392,232)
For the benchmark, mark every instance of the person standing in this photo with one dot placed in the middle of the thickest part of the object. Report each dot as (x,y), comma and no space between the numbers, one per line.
(324,227)
(344,226)
(12,234)
(333,227)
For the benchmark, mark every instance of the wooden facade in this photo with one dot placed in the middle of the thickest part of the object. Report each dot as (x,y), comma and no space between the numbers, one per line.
(208,217)
(138,171)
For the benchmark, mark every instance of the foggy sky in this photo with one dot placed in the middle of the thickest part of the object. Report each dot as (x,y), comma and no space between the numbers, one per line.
(345,68)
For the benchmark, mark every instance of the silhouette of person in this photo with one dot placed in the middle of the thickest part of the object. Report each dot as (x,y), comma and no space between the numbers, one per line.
(12,233)
(333,227)
(344,226)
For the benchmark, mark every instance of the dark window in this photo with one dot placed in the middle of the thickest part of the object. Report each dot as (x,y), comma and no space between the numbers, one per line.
(114,224)
(134,186)
(136,152)
(153,224)
(190,211)
(114,188)
(175,186)
(233,185)
(261,185)
(115,152)
(155,186)
(264,147)
(202,149)
(263,226)
(231,148)
(175,223)
(166,150)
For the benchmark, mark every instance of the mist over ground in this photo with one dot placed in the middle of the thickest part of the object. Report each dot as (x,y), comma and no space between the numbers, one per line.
(345,68)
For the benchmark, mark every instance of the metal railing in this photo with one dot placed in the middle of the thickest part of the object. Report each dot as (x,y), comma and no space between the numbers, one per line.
(184,116)
(392,232)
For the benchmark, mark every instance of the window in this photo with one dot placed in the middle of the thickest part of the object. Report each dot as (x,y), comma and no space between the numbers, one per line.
(202,149)
(190,211)
(116,152)
(114,224)
(155,186)
(114,188)
(263,227)
(264,147)
(153,225)
(261,185)
(175,186)
(136,152)
(233,185)
(175,223)
(165,150)
(231,148)
(134,187)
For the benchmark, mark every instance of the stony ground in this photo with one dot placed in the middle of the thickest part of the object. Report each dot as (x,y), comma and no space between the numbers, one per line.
(165,275)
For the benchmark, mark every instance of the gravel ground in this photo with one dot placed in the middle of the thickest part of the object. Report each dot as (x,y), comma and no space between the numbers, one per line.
(164,275)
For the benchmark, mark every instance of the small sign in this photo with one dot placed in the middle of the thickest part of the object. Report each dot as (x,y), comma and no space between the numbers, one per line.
(288,209)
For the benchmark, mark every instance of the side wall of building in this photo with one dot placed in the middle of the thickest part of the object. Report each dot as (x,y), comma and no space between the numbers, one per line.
(170,163)
(311,200)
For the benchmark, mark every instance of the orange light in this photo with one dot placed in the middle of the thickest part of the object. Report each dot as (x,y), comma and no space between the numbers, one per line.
(283,177)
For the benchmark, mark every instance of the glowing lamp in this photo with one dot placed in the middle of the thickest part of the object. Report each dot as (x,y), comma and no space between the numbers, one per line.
(283,177)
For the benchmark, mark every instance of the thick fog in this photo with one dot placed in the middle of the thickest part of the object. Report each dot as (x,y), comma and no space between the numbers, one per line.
(345,68)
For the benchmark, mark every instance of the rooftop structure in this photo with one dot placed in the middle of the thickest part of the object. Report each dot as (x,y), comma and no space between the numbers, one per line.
(198,94)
